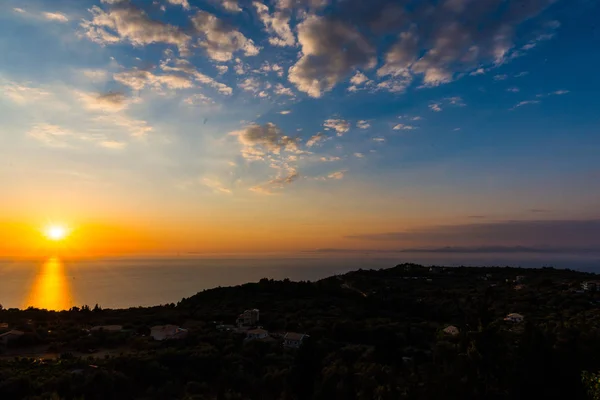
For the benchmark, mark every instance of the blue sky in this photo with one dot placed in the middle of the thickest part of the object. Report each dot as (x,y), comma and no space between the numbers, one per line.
(366,118)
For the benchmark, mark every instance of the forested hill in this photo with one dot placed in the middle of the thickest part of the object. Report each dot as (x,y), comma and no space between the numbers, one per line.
(406,332)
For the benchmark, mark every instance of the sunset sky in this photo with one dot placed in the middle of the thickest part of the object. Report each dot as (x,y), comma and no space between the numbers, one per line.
(232,126)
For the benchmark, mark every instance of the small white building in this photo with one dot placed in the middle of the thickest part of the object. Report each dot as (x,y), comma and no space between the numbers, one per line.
(451,330)
(107,328)
(10,336)
(514,317)
(294,340)
(254,334)
(167,332)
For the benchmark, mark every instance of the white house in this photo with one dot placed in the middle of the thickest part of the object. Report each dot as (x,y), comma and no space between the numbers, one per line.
(294,340)
(167,332)
(9,336)
(254,334)
(451,330)
(514,317)
(248,318)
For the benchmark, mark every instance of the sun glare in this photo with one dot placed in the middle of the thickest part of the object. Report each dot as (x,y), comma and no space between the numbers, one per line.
(56,232)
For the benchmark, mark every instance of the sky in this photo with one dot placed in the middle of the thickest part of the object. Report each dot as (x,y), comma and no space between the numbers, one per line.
(232,126)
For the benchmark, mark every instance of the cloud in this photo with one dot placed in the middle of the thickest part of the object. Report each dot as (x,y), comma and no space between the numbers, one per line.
(55,136)
(524,103)
(560,92)
(215,185)
(219,39)
(222,69)
(329,159)
(437,107)
(456,129)
(250,85)
(19,10)
(300,4)
(404,127)
(184,67)
(198,99)
(331,49)
(125,22)
(21,93)
(138,79)
(282,90)
(261,140)
(379,139)
(285,112)
(339,125)
(109,102)
(513,89)
(521,74)
(363,124)
(337,175)
(55,16)
(231,6)
(502,77)
(315,139)
(359,81)
(183,3)
(359,155)
(562,233)
(276,24)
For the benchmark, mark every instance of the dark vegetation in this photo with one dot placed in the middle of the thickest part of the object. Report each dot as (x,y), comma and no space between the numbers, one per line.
(373,335)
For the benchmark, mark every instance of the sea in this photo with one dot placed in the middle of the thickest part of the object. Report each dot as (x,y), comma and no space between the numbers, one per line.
(55,283)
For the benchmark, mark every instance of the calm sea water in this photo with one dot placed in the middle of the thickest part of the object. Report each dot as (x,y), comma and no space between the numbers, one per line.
(121,283)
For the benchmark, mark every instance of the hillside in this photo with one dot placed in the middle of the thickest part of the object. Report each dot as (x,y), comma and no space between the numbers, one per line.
(372,335)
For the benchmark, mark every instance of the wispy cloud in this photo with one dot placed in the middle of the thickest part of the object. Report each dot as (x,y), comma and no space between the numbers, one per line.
(524,103)
(339,125)
(55,16)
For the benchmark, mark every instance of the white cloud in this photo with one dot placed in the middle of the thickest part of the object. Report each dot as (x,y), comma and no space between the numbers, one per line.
(55,16)
(337,175)
(107,102)
(285,112)
(250,85)
(331,49)
(330,159)
(437,107)
(560,92)
(219,39)
(112,144)
(315,139)
(403,127)
(359,78)
(456,129)
(379,139)
(363,124)
(502,77)
(339,125)
(198,99)
(215,185)
(21,93)
(183,3)
(261,140)
(19,10)
(513,89)
(125,22)
(276,24)
(51,135)
(359,155)
(521,74)
(138,79)
(231,6)
(417,118)
(222,69)
(524,103)
(282,90)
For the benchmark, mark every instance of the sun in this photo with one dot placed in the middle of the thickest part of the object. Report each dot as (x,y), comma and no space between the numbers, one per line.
(56,232)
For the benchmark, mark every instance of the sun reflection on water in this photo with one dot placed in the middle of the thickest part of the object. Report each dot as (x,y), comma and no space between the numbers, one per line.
(51,289)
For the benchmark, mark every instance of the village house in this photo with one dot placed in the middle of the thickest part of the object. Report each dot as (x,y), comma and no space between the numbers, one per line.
(514,317)
(248,318)
(293,339)
(590,286)
(10,336)
(451,330)
(167,332)
(255,334)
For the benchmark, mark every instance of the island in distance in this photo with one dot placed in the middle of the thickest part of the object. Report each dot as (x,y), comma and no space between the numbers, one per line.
(408,332)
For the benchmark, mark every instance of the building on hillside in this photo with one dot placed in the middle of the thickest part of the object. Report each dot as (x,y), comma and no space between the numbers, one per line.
(590,286)
(520,278)
(167,332)
(107,328)
(514,317)
(255,334)
(3,325)
(248,318)
(520,286)
(10,336)
(294,340)
(451,330)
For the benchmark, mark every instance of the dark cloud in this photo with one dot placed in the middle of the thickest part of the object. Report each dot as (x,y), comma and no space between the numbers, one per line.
(552,233)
